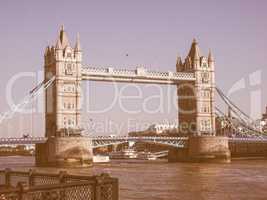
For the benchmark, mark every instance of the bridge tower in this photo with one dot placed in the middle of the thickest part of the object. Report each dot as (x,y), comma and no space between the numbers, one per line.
(196,98)
(63,100)
(65,143)
(197,111)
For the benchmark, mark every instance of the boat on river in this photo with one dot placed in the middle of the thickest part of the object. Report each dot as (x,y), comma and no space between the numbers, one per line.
(124,154)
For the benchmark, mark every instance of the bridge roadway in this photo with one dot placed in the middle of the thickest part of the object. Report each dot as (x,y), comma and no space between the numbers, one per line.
(179,142)
(99,141)
(22,140)
(139,75)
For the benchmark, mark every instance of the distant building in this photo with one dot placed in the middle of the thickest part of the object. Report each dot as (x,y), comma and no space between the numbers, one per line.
(264,121)
(264,116)
(160,128)
(9,150)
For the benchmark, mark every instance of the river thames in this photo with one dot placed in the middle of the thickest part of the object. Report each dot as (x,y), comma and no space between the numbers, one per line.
(160,180)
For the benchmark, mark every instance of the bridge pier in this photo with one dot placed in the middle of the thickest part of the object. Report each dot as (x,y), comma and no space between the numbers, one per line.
(202,149)
(64,152)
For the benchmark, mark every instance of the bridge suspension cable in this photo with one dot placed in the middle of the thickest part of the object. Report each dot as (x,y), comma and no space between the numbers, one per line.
(233,106)
(235,124)
(27,99)
(242,122)
(225,119)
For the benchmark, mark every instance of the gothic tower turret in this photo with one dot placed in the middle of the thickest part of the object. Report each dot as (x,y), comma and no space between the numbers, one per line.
(179,64)
(194,54)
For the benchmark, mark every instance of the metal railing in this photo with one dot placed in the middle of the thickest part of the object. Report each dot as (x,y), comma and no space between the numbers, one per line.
(21,140)
(179,142)
(41,186)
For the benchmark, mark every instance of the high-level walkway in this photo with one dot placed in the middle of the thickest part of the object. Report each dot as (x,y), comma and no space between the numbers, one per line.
(139,75)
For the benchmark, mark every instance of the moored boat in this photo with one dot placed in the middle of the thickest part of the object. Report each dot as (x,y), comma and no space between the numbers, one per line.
(101,159)
(124,154)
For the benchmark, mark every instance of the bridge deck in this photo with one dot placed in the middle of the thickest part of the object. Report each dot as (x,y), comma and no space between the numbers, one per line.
(140,75)
(105,140)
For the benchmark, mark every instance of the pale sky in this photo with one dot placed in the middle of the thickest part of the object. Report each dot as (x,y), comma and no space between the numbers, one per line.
(152,33)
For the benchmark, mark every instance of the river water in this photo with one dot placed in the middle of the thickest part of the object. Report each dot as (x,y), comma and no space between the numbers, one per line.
(160,180)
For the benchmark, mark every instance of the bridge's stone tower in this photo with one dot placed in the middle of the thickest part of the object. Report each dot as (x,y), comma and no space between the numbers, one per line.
(65,145)
(196,98)
(63,100)
(196,111)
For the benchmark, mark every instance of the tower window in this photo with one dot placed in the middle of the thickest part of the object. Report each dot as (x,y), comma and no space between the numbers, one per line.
(205,125)
(68,69)
(205,77)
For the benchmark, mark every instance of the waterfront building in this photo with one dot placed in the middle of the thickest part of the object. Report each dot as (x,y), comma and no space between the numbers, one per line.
(160,128)
(264,121)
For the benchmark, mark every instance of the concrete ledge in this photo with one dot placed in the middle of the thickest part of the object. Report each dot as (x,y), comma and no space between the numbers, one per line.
(248,148)
(203,149)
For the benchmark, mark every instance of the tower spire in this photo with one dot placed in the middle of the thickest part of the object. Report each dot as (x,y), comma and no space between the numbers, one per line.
(47,50)
(62,27)
(63,37)
(58,44)
(78,44)
(179,62)
(179,59)
(194,52)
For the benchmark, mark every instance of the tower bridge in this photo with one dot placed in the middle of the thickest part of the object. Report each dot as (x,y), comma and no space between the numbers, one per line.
(64,73)
(194,78)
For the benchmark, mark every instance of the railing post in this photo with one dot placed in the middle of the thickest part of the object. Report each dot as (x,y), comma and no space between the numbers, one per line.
(98,183)
(101,181)
(31,177)
(62,179)
(22,187)
(62,176)
(7,177)
(115,189)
